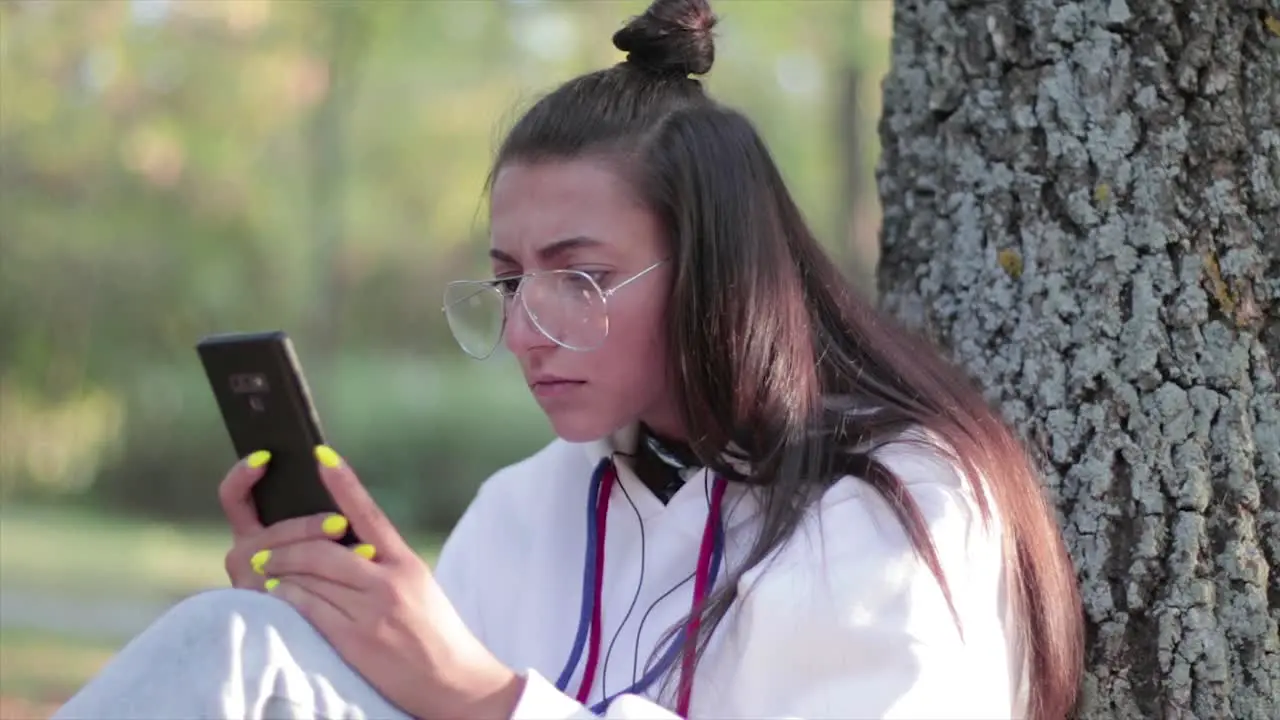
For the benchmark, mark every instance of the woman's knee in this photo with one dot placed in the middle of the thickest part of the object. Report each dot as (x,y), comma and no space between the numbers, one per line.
(220,610)
(275,649)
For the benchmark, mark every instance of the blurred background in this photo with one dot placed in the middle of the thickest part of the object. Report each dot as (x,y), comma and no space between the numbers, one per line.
(175,168)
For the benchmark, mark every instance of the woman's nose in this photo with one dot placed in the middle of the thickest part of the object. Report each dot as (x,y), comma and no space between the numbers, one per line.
(522,334)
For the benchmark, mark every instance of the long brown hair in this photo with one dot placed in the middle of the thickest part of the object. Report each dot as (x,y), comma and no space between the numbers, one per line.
(771,349)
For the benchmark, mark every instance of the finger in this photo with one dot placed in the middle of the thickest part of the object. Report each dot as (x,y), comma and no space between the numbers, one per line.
(321,559)
(235,493)
(249,552)
(302,529)
(326,605)
(367,519)
(240,573)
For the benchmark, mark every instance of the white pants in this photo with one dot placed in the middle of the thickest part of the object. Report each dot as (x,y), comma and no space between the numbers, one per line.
(231,654)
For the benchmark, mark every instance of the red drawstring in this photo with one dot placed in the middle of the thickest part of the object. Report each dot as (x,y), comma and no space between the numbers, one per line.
(593,653)
(701,588)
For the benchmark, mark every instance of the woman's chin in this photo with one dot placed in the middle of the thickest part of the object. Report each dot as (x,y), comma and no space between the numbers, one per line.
(579,428)
(578,434)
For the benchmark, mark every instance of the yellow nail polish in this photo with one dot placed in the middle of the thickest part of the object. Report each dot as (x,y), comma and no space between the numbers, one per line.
(334,525)
(271,584)
(328,457)
(365,551)
(257,459)
(259,561)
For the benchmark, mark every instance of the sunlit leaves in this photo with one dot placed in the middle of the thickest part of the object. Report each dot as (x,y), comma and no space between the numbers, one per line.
(175,167)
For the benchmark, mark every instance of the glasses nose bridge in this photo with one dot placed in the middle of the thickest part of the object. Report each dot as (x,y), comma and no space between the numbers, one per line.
(519,322)
(518,290)
(516,302)
(519,295)
(518,299)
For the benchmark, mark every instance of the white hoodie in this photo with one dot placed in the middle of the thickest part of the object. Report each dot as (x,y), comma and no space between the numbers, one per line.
(845,621)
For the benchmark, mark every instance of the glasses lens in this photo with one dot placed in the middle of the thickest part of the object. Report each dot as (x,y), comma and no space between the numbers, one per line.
(567,307)
(475,315)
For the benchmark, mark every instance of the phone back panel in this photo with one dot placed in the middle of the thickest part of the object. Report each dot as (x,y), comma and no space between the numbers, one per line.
(265,405)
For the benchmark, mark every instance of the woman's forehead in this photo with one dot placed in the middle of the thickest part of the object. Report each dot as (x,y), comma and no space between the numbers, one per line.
(566,207)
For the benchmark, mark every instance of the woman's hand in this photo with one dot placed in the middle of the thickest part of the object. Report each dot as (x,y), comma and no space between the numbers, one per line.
(251,542)
(380,607)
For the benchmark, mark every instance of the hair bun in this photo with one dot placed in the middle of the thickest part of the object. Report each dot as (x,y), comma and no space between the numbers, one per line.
(671,36)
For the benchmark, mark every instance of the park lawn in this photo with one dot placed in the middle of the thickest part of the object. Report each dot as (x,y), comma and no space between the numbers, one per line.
(80,554)
(63,550)
(38,668)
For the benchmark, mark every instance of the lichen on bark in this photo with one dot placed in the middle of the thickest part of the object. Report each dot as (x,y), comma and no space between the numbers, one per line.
(1124,159)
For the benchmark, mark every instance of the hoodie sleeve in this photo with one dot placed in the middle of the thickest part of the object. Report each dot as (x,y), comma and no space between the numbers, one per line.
(846,621)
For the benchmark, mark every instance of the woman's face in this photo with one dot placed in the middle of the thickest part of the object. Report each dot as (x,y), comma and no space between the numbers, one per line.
(582,215)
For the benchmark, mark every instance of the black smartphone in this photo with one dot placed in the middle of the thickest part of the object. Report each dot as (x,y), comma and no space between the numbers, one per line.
(265,403)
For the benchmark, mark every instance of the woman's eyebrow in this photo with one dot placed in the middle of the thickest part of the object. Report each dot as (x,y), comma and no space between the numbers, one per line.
(552,250)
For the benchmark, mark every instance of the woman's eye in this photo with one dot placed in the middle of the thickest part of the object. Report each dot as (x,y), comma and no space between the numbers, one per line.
(507,285)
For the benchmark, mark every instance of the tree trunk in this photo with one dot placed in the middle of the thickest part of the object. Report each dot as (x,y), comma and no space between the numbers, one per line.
(1081,204)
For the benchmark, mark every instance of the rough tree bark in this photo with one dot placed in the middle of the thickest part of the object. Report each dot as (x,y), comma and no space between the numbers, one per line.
(1082,203)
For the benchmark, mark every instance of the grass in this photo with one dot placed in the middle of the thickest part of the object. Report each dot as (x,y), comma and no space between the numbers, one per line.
(71,551)
(42,667)
(75,551)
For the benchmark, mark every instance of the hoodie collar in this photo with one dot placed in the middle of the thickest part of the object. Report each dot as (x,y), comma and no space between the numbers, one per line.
(621,446)
(626,441)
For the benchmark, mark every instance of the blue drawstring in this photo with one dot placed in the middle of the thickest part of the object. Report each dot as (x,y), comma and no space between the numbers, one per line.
(588,586)
(588,579)
(677,644)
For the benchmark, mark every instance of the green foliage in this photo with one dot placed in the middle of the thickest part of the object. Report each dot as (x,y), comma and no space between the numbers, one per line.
(422,435)
(170,169)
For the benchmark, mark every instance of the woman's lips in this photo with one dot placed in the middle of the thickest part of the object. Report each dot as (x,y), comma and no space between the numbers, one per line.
(554,388)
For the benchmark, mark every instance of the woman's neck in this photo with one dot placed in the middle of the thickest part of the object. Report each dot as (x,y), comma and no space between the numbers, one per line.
(673,452)
(659,461)
(663,420)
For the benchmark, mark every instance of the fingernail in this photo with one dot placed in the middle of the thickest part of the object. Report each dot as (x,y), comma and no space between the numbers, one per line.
(259,561)
(271,584)
(327,456)
(365,551)
(257,459)
(334,525)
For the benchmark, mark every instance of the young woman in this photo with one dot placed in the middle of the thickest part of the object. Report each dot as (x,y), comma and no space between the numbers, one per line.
(765,499)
